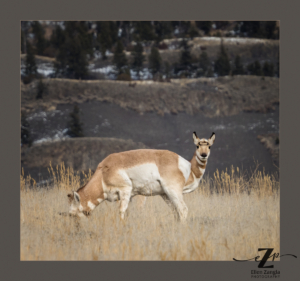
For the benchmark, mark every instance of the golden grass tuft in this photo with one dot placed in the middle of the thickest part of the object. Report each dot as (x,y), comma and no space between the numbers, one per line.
(229,217)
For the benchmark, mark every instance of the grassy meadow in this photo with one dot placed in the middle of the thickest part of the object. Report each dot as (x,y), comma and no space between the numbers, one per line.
(229,217)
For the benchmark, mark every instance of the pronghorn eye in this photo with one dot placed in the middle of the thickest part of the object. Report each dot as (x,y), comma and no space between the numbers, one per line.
(209,147)
(197,146)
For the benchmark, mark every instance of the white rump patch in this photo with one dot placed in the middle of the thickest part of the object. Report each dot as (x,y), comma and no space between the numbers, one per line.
(91,205)
(185,167)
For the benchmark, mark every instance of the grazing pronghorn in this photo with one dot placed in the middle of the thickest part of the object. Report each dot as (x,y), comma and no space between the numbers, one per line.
(120,176)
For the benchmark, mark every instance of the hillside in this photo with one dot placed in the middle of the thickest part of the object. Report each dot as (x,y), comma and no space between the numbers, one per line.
(80,154)
(223,96)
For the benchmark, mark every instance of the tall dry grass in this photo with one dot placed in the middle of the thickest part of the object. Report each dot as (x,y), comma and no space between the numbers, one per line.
(229,217)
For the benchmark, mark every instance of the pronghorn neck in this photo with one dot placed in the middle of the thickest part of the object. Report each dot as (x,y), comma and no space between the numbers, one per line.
(198,166)
(91,194)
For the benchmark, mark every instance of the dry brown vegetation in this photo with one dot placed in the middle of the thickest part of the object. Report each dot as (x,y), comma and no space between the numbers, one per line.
(221,96)
(229,217)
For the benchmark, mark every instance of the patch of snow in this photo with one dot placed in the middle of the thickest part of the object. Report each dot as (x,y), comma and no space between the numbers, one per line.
(59,135)
(234,40)
(105,70)
(119,32)
(46,71)
(254,125)
(105,123)
(97,55)
(144,74)
(96,129)
(219,127)
(44,115)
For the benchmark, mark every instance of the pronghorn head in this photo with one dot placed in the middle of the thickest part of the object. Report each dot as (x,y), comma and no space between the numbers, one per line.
(76,209)
(203,146)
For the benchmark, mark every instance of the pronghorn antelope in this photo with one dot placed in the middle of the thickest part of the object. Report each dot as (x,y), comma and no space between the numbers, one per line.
(121,176)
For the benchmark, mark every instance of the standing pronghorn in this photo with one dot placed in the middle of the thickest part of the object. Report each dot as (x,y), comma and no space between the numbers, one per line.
(120,176)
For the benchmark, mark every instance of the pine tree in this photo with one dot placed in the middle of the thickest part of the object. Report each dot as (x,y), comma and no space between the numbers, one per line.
(25,130)
(138,58)
(185,58)
(204,63)
(154,61)
(79,30)
(25,26)
(193,32)
(22,42)
(74,125)
(71,59)
(204,25)
(144,30)
(120,60)
(30,65)
(255,68)
(163,30)
(222,64)
(107,36)
(268,69)
(41,89)
(238,66)
(58,37)
(40,41)
(270,27)
(252,29)
(209,72)
(125,27)
(167,71)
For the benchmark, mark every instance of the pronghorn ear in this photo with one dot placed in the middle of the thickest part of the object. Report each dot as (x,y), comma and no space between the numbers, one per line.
(195,138)
(76,197)
(212,139)
(70,197)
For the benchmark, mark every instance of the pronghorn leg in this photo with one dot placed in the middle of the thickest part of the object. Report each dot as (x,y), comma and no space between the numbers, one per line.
(124,199)
(170,204)
(177,200)
(141,200)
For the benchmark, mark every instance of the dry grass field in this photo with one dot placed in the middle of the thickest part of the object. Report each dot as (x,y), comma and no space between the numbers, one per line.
(220,96)
(229,217)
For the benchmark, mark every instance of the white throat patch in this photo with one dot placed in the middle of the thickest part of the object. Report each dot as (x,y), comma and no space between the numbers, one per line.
(91,205)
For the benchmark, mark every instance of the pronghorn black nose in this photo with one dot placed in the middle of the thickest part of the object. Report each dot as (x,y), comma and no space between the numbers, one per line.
(203,154)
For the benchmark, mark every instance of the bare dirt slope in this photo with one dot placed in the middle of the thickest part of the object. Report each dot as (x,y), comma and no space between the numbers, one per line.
(223,96)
